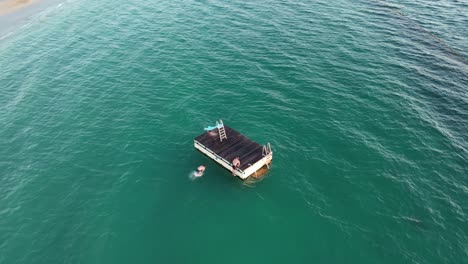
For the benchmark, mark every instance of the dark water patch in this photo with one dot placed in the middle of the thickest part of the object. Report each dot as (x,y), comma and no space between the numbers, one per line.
(416,28)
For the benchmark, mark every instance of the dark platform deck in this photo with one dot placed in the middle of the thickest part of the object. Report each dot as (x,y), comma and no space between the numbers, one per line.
(236,145)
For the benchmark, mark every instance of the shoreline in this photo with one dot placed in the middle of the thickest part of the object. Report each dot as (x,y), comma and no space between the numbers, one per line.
(11,6)
(16,13)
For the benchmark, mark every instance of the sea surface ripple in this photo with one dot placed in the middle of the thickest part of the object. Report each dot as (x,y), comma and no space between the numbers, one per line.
(364,102)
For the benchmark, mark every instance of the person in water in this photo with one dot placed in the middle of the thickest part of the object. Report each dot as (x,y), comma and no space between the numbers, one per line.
(200,170)
(235,165)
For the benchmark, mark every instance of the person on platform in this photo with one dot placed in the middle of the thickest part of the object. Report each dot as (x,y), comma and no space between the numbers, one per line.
(235,165)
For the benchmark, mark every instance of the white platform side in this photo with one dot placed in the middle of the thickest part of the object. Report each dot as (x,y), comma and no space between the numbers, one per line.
(227,164)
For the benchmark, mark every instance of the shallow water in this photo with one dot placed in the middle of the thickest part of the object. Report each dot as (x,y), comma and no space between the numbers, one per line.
(364,103)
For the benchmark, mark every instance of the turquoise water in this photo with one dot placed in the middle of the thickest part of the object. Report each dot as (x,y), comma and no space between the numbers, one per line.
(364,103)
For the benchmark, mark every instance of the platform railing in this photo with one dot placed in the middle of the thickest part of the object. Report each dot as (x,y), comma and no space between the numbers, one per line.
(266,150)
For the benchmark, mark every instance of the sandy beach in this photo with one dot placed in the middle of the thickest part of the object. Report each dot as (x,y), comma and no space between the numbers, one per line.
(10,6)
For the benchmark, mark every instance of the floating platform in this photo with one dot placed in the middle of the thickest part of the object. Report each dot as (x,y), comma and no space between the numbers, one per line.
(223,144)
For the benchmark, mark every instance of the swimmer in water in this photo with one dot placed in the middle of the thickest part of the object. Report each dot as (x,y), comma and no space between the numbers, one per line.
(200,171)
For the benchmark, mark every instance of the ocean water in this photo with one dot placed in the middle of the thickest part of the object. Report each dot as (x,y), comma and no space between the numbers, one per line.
(364,102)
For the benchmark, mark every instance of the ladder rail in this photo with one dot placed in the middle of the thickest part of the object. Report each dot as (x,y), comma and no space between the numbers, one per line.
(221,130)
(266,150)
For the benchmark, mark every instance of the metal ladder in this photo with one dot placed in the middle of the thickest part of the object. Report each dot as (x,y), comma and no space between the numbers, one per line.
(221,130)
(266,150)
